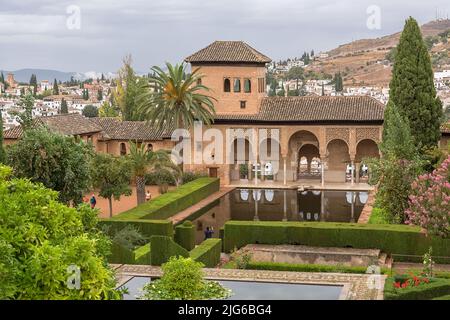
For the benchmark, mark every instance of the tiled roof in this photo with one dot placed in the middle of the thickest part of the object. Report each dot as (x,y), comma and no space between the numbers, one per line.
(314,109)
(228,51)
(116,129)
(68,124)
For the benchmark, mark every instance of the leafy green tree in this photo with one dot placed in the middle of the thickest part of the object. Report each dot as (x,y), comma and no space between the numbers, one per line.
(2,149)
(111,176)
(295,73)
(33,83)
(90,111)
(412,89)
(41,238)
(182,279)
(108,110)
(398,167)
(100,95)
(64,107)
(176,98)
(59,162)
(25,117)
(129,87)
(143,160)
(55,87)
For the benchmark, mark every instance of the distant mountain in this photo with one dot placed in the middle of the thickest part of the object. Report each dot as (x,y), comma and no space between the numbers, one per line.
(24,75)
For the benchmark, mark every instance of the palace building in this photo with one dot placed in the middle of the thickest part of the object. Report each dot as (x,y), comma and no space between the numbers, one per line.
(320,139)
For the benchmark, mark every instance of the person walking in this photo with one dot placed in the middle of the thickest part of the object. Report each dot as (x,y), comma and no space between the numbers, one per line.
(209,232)
(93,201)
(148,195)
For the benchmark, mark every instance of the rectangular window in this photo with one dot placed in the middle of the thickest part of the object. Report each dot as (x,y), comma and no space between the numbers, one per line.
(243,104)
(247,86)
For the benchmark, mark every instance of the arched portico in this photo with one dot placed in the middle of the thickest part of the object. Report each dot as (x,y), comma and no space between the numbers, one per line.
(366,148)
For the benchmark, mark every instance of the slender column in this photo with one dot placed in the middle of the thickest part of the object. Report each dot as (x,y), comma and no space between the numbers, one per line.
(256,173)
(358,170)
(250,167)
(284,206)
(322,166)
(353,172)
(284,171)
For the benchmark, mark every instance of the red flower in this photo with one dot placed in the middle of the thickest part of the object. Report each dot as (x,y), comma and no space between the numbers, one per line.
(397,285)
(405,284)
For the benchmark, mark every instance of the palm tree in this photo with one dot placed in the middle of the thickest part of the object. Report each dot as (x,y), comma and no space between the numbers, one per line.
(175,98)
(143,161)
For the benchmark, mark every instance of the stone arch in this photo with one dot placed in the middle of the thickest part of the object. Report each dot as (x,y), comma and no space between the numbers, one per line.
(302,143)
(338,158)
(123,149)
(269,152)
(367,148)
(239,167)
(226,85)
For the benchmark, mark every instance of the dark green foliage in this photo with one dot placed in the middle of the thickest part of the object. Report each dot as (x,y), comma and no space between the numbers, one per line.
(338,82)
(147,227)
(55,88)
(122,255)
(59,162)
(163,248)
(436,288)
(90,111)
(2,149)
(412,88)
(173,201)
(208,252)
(129,237)
(189,176)
(64,107)
(111,177)
(393,239)
(160,177)
(185,235)
(277,266)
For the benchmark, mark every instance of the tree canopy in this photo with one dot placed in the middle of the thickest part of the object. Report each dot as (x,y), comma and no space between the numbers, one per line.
(59,162)
(90,111)
(43,243)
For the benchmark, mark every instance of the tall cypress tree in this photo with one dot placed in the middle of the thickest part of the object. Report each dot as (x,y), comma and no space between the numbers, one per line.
(64,108)
(55,88)
(2,150)
(412,89)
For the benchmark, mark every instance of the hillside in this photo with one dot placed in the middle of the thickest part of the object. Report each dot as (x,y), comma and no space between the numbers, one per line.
(363,62)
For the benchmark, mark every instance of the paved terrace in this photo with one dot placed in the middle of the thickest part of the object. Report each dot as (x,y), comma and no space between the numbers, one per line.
(355,286)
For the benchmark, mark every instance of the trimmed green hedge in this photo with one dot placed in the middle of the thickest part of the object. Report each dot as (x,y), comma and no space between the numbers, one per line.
(436,288)
(122,255)
(276,266)
(174,201)
(208,252)
(147,227)
(185,235)
(142,255)
(162,248)
(392,239)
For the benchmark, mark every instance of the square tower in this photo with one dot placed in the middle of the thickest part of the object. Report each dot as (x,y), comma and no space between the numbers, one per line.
(235,73)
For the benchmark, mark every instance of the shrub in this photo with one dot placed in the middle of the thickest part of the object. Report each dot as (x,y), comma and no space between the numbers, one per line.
(208,252)
(160,177)
(182,279)
(41,237)
(147,227)
(392,239)
(163,248)
(435,288)
(128,237)
(189,176)
(429,203)
(379,216)
(174,201)
(185,235)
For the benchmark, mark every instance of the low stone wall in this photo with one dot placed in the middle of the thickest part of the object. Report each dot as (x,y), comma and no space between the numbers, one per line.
(368,207)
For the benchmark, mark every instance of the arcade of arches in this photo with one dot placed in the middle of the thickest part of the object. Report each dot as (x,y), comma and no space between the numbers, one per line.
(327,154)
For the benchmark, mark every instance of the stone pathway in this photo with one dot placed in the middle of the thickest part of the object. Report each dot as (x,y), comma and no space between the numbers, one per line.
(355,286)
(367,209)
(203,203)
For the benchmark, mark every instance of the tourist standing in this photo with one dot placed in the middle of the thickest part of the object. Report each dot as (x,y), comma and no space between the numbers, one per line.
(93,201)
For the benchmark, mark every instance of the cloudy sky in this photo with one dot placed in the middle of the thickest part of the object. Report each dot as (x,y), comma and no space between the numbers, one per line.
(50,33)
